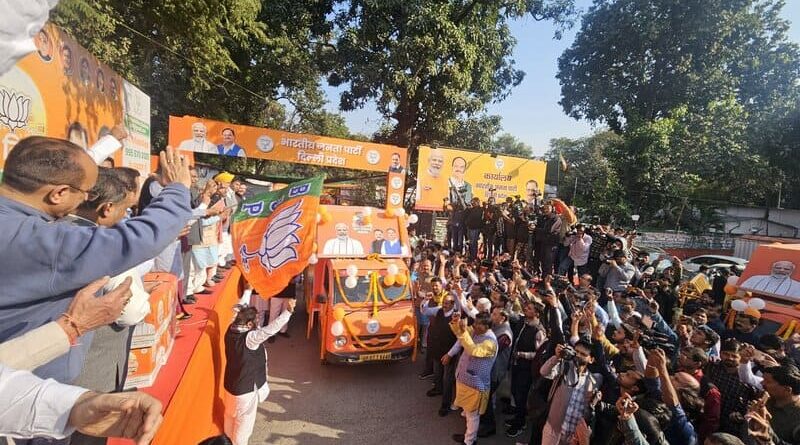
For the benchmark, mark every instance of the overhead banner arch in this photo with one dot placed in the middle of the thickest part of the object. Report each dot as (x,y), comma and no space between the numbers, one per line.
(221,138)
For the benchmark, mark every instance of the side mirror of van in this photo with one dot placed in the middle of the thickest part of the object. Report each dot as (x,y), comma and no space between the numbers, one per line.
(322,299)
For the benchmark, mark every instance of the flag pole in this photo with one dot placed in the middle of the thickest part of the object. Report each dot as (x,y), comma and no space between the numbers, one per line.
(575,190)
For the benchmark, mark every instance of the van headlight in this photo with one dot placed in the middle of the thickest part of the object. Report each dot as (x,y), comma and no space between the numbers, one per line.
(405,336)
(339,342)
(337,328)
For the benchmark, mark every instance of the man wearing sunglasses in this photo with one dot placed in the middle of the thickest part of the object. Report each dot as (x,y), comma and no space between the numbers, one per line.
(46,262)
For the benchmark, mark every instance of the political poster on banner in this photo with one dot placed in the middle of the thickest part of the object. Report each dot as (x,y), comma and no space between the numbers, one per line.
(454,177)
(60,90)
(773,271)
(221,138)
(273,234)
(353,231)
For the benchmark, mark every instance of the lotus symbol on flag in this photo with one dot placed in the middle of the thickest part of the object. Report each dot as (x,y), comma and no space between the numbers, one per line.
(278,245)
(14,109)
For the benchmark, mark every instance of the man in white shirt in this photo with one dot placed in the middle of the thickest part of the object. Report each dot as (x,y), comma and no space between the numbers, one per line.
(20,22)
(32,407)
(779,283)
(342,244)
(198,143)
(579,245)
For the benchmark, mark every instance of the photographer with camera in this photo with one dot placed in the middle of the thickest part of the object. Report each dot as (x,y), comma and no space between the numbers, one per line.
(573,388)
(473,221)
(490,229)
(545,240)
(579,244)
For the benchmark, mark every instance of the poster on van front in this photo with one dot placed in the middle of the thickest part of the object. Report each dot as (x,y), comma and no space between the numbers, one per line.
(773,271)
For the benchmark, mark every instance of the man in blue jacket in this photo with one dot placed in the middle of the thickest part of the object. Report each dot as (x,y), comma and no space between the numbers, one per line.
(45,263)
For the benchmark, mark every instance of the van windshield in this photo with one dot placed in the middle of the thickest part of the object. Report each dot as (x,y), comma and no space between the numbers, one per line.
(359,293)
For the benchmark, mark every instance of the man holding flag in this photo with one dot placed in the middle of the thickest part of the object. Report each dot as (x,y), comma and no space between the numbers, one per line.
(273,238)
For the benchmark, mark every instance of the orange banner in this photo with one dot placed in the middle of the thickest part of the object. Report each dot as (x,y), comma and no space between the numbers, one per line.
(773,271)
(221,138)
(62,91)
(273,235)
(454,177)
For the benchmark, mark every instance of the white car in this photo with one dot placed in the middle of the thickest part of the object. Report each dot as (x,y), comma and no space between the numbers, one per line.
(693,264)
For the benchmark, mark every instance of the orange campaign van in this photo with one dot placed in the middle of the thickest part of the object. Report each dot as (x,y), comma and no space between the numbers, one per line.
(772,282)
(361,286)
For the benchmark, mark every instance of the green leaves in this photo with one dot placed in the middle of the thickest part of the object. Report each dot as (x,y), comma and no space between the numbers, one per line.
(701,92)
(429,65)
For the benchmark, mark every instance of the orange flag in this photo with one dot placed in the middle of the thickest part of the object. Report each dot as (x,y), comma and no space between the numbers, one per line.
(274,233)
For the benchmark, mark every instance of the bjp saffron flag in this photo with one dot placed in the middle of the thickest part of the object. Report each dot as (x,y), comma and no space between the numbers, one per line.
(274,233)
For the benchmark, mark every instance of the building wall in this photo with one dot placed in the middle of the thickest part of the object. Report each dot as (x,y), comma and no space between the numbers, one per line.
(753,221)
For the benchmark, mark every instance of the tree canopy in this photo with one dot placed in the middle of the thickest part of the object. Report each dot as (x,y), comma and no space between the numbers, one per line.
(702,92)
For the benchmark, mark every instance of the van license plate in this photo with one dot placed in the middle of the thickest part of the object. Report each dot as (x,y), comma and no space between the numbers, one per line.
(376,357)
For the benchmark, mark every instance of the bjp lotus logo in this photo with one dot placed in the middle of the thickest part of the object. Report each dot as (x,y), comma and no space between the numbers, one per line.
(14,109)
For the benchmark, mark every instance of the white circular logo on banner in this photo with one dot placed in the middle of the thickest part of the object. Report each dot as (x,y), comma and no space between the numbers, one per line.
(264,143)
(499,164)
(373,157)
(395,199)
(397,182)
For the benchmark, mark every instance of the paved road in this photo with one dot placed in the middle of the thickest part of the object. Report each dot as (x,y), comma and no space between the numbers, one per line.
(312,404)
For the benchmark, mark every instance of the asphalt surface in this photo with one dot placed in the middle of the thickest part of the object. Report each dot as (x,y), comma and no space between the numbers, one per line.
(377,404)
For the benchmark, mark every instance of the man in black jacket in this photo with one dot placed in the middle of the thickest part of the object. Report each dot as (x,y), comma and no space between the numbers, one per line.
(473,220)
(718,286)
(530,336)
(440,339)
(546,239)
(246,370)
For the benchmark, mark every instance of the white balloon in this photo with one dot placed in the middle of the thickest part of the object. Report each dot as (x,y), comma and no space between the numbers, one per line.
(738,305)
(337,328)
(757,303)
(733,279)
(413,218)
(368,211)
(352,270)
(392,269)
(313,259)
(319,218)
(400,211)
(351,282)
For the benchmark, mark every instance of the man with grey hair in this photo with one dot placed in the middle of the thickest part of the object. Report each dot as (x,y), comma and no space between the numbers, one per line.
(343,244)
(198,143)
(778,283)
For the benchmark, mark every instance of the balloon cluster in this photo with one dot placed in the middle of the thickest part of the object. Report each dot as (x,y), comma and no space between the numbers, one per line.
(323,216)
(731,288)
(394,277)
(753,303)
(352,277)
(313,258)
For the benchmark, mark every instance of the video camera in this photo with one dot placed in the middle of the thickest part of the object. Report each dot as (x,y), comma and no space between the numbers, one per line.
(654,340)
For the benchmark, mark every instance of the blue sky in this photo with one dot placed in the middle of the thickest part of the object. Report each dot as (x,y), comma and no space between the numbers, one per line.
(531,112)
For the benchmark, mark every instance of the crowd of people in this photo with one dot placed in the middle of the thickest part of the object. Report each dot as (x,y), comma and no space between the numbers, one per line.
(577,337)
(79,239)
